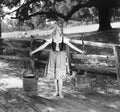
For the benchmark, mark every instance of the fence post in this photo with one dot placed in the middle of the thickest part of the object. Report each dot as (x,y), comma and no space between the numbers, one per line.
(116,50)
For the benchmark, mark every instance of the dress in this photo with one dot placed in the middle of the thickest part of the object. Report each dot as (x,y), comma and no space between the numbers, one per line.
(58,66)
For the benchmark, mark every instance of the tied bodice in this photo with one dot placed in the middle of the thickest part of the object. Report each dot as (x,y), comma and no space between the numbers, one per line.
(57,46)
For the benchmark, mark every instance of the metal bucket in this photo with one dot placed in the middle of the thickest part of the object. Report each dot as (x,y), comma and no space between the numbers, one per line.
(82,81)
(30,83)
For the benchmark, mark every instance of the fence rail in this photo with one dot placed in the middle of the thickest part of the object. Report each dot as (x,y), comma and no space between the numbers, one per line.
(115,57)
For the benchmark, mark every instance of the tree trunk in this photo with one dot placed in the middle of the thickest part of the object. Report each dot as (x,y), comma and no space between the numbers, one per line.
(104,18)
(1,49)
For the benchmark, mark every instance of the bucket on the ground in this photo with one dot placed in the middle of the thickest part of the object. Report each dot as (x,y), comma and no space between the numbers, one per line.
(82,81)
(30,83)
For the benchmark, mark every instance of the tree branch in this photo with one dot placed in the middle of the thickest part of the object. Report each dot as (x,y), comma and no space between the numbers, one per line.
(76,8)
(8,13)
(49,13)
(23,5)
(54,13)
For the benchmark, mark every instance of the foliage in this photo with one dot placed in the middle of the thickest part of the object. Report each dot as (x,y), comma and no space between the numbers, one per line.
(52,8)
(9,26)
(82,10)
(9,3)
(48,8)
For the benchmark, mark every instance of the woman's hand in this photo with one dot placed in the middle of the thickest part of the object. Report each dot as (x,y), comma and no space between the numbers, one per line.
(31,53)
(83,52)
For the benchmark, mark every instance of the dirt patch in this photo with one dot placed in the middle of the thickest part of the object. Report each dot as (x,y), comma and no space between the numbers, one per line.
(102,96)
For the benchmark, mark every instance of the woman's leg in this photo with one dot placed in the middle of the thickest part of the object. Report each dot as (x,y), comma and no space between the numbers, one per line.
(60,70)
(56,87)
(60,84)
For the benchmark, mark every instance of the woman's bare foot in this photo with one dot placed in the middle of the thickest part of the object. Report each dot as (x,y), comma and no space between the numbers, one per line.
(55,94)
(61,95)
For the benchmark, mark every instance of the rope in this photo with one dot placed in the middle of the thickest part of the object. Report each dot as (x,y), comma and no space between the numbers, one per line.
(83,46)
(31,58)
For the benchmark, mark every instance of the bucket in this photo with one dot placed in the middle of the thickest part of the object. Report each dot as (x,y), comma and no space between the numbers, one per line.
(30,83)
(82,81)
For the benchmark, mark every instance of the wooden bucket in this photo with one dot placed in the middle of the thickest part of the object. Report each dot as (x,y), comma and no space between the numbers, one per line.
(82,81)
(30,83)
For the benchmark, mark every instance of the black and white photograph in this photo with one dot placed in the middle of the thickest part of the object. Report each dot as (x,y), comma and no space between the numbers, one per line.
(59,55)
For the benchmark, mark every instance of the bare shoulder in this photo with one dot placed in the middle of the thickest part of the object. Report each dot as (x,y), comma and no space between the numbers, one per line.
(48,40)
(66,39)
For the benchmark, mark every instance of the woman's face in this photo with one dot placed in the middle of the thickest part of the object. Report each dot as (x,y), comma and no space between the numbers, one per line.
(58,33)
(58,30)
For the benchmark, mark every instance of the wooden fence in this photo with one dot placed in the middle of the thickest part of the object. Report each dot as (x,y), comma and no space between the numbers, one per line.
(115,57)
(114,47)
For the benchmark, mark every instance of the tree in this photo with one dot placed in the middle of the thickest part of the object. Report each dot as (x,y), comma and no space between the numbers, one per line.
(64,9)
(104,8)
(10,4)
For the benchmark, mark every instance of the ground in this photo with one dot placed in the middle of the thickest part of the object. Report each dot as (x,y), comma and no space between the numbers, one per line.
(102,96)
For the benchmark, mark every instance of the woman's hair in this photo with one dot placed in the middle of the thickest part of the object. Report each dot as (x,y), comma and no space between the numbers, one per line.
(58,27)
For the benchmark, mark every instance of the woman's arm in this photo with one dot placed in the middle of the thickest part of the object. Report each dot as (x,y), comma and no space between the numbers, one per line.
(67,41)
(48,41)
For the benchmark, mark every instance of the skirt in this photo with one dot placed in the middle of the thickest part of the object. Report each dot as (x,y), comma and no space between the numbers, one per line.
(58,66)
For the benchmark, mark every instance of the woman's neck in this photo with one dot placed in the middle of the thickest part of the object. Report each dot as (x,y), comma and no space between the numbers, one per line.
(57,39)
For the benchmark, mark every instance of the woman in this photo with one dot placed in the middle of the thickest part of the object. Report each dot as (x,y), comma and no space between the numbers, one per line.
(58,57)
